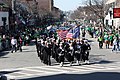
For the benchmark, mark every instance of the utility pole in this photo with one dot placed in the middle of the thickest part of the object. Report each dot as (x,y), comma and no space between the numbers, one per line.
(13,13)
(13,5)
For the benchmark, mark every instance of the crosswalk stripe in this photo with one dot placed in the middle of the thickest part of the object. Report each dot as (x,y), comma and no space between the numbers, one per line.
(94,66)
(63,69)
(10,76)
(49,70)
(23,73)
(82,68)
(28,69)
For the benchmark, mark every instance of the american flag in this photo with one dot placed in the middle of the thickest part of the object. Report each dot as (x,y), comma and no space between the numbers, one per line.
(73,33)
(62,34)
(69,35)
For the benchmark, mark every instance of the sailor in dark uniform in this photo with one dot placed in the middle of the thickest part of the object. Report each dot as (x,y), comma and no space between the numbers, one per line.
(54,50)
(44,53)
(49,48)
(83,50)
(60,52)
(78,53)
(38,47)
(70,54)
(87,51)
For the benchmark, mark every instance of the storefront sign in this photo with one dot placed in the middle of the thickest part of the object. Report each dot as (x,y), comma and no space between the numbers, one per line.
(116,12)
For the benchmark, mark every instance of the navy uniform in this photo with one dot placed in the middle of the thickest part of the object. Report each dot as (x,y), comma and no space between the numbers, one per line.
(49,48)
(38,47)
(78,53)
(60,52)
(83,50)
(54,51)
(87,52)
(45,54)
(70,54)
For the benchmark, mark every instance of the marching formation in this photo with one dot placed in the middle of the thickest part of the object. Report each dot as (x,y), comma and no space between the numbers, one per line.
(63,50)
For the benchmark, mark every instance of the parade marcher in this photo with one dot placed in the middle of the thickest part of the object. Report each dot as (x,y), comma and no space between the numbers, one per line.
(74,44)
(84,48)
(54,50)
(77,52)
(38,47)
(83,33)
(70,54)
(49,48)
(45,53)
(60,52)
(87,51)
(66,50)
(13,44)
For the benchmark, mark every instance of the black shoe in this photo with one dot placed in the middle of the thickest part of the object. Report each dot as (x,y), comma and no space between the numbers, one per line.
(20,50)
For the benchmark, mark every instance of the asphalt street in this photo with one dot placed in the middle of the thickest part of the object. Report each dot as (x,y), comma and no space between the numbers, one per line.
(104,65)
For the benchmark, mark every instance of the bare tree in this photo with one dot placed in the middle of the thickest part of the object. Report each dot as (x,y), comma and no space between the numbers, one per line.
(97,7)
(6,2)
(79,13)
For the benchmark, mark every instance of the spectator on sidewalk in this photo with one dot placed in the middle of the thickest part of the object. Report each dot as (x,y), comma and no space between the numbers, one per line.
(19,45)
(13,44)
(100,40)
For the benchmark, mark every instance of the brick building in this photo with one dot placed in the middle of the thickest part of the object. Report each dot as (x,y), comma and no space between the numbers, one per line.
(45,4)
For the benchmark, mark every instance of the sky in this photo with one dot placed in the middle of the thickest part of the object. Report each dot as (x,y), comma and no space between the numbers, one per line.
(67,5)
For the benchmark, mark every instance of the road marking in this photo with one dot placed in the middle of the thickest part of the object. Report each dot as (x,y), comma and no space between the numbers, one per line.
(51,70)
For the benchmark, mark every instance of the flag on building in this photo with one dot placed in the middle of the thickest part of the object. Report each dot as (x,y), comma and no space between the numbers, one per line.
(73,33)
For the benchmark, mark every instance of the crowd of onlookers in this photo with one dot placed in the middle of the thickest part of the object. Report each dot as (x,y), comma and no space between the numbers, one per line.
(4,43)
(15,41)
(18,38)
(109,38)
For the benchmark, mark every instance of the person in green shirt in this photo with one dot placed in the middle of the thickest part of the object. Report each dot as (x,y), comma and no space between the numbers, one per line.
(111,38)
(107,41)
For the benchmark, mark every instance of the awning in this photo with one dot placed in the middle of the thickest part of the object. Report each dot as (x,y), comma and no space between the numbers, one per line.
(110,1)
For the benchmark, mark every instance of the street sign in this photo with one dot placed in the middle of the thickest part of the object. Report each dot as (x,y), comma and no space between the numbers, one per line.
(116,12)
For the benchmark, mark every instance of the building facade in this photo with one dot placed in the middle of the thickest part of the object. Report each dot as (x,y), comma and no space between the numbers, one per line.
(41,4)
(109,19)
(45,4)
(4,16)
